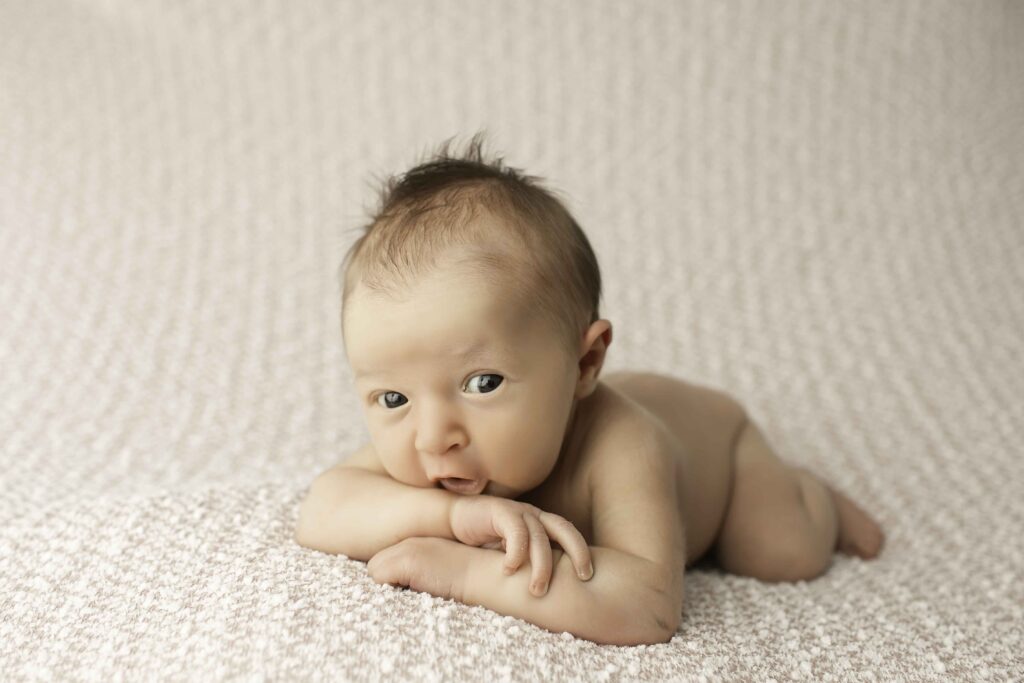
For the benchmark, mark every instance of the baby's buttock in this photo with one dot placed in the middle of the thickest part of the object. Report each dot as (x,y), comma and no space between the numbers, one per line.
(704,423)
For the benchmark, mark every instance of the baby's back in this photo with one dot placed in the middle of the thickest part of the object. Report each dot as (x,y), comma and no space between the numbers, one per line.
(694,425)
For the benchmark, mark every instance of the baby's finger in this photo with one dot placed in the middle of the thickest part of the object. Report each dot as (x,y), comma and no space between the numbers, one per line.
(515,532)
(565,533)
(540,556)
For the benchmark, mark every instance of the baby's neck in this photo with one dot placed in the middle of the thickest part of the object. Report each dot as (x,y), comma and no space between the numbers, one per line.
(576,430)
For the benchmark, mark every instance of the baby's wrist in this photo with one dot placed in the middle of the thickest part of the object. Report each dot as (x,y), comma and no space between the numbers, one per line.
(453,509)
(450,515)
(433,510)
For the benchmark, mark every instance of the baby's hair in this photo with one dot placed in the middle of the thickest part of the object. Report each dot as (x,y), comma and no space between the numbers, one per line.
(525,238)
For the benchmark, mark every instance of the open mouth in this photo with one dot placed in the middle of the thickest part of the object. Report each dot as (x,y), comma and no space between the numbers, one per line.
(464,486)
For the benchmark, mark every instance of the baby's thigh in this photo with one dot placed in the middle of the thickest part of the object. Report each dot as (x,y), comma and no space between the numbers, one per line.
(767,532)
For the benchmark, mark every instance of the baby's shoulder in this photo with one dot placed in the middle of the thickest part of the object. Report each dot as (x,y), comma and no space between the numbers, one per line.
(607,427)
(619,426)
(618,415)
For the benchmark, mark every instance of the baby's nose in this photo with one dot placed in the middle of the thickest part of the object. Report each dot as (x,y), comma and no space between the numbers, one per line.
(438,434)
(438,442)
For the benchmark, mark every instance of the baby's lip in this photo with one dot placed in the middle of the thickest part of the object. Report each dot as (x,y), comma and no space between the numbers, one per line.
(467,487)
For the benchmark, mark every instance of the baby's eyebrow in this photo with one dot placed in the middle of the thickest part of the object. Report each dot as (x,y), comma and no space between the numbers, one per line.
(469,353)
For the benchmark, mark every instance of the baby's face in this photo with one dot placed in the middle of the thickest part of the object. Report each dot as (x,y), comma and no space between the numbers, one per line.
(454,383)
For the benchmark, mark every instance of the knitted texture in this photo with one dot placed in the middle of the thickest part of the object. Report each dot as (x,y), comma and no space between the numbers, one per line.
(817,207)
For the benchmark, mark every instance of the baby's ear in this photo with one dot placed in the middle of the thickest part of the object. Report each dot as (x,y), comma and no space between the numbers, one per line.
(596,341)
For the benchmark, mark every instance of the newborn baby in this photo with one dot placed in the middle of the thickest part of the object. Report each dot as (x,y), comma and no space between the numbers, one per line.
(470,321)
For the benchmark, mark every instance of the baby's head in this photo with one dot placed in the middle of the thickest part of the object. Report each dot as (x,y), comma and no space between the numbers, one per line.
(470,320)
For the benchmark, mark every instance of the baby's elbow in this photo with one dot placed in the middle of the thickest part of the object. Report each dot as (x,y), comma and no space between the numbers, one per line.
(661,629)
(644,627)
(657,608)
(309,529)
(656,632)
(666,627)
(304,525)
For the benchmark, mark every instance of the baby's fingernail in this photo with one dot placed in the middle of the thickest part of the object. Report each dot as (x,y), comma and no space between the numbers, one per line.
(587,572)
(508,569)
(540,588)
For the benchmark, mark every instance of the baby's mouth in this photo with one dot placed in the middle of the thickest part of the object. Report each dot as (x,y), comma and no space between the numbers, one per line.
(469,487)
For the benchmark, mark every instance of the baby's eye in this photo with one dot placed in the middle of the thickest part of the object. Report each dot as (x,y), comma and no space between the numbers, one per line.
(488,382)
(392,399)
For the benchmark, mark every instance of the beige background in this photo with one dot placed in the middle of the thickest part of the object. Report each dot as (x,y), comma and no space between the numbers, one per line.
(815,206)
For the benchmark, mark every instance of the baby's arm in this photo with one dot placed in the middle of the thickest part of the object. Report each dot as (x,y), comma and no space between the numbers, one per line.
(620,605)
(613,608)
(358,512)
(638,554)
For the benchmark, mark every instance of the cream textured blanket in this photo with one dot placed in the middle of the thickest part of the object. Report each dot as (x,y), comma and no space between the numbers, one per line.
(818,207)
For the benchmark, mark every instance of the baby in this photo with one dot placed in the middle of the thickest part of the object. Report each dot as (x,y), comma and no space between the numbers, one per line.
(470,321)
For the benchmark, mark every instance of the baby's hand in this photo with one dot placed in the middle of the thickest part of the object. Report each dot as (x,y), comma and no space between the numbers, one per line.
(492,522)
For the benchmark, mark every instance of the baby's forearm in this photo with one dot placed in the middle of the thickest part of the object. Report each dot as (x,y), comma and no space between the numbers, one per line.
(357,513)
(617,606)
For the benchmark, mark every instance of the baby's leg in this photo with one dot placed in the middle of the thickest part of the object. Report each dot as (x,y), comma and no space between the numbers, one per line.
(782,522)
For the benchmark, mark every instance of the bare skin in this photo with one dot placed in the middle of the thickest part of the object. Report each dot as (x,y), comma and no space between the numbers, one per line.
(754,515)
(635,476)
(470,386)
(449,399)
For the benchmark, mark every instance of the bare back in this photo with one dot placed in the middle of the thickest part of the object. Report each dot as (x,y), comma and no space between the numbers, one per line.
(701,425)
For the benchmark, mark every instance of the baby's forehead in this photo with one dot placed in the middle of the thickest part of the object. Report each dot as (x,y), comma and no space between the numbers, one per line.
(404,353)
(417,329)
(459,355)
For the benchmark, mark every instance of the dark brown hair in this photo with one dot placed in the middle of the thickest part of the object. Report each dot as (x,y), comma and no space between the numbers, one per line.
(514,230)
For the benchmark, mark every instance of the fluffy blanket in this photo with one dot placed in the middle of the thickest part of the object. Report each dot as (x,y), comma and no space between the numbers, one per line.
(815,206)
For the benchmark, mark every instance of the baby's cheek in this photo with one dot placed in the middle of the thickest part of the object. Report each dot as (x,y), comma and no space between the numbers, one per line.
(543,425)
(531,467)
(530,441)
(400,466)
